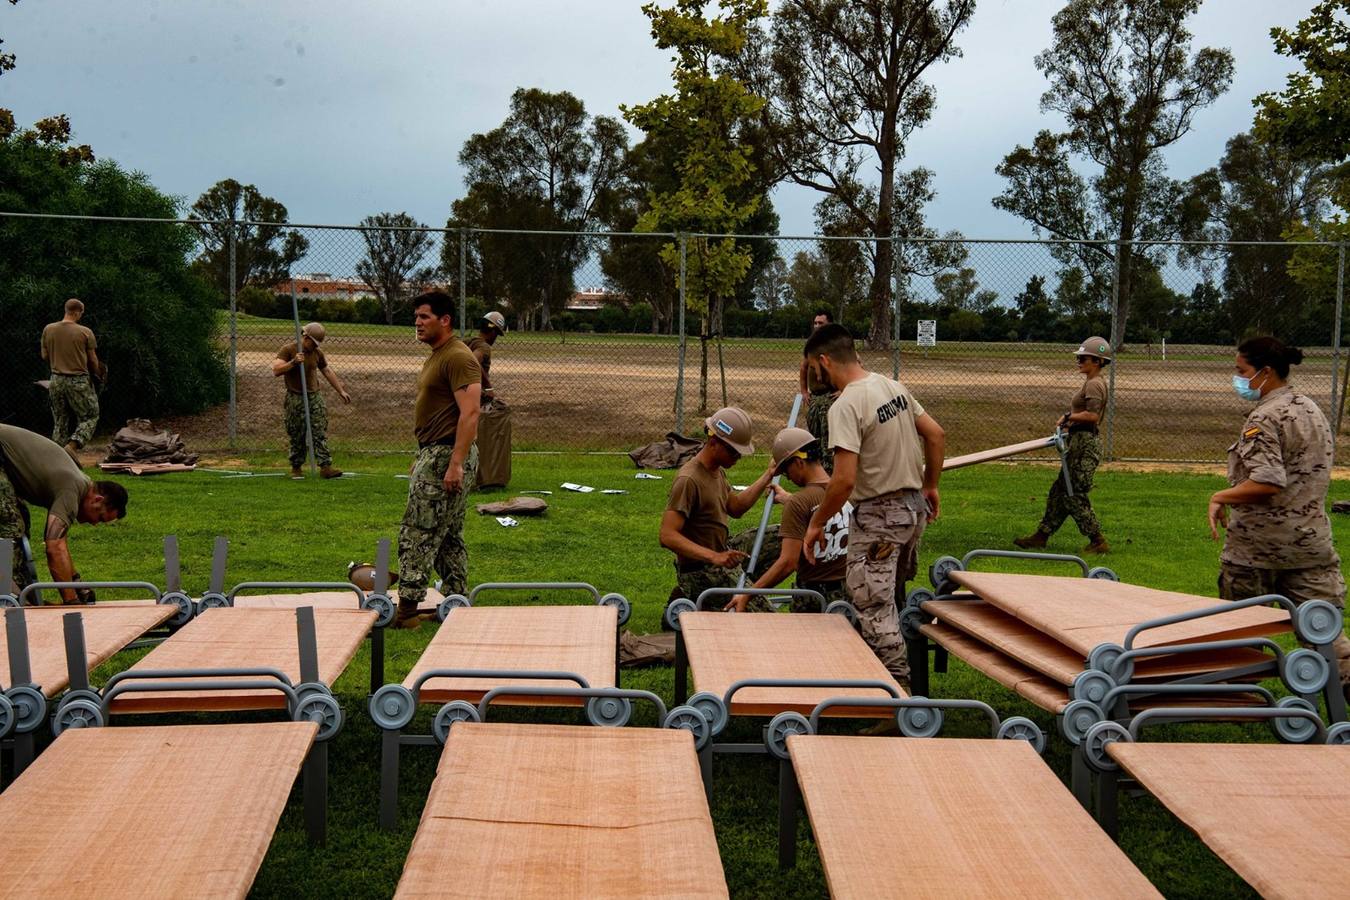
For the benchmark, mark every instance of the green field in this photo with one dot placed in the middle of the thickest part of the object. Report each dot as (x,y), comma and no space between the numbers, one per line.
(284,530)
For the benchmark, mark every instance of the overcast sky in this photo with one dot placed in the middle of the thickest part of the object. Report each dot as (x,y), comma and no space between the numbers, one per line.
(341,109)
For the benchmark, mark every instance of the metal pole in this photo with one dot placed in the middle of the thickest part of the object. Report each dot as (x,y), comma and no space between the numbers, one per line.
(1115,361)
(679,383)
(1337,399)
(304,383)
(234,340)
(463,277)
(768,502)
(895,311)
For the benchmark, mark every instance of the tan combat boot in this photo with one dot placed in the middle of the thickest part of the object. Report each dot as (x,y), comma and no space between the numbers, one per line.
(297,473)
(1098,545)
(329,472)
(1032,542)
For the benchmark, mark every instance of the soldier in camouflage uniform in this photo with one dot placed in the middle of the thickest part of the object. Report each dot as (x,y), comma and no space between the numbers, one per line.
(887,462)
(818,398)
(288,364)
(1278,537)
(71,350)
(445,421)
(694,525)
(1083,456)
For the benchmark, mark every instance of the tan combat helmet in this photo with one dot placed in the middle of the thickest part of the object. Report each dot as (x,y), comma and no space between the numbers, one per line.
(731,425)
(315,332)
(496,320)
(1096,346)
(363,576)
(790,444)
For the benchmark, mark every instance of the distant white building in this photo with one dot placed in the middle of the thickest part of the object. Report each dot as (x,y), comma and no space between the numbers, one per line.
(590,299)
(324,286)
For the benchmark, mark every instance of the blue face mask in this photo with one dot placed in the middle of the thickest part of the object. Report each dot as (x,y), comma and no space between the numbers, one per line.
(1244,388)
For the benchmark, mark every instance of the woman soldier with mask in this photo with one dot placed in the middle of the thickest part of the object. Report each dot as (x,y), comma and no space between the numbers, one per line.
(1278,537)
(1084,454)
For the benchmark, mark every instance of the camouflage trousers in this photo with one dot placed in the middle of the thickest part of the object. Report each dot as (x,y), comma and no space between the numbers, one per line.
(1318,583)
(294,414)
(818,423)
(769,550)
(431,537)
(831,590)
(13,525)
(883,554)
(1082,459)
(74,409)
(692,584)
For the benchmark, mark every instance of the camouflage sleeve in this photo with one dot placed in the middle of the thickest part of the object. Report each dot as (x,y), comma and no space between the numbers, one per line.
(1262,453)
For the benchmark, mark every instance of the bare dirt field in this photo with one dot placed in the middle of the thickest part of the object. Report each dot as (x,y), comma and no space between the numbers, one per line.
(607,392)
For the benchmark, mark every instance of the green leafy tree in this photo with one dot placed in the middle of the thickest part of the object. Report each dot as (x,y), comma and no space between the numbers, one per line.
(392,266)
(155,318)
(704,126)
(844,81)
(1122,74)
(1311,116)
(264,249)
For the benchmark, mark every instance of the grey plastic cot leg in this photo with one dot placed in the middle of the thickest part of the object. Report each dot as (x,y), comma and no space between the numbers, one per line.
(705,768)
(389,749)
(77,657)
(1080,779)
(681,670)
(376,659)
(1334,692)
(16,639)
(316,793)
(917,650)
(1108,784)
(788,800)
(309,644)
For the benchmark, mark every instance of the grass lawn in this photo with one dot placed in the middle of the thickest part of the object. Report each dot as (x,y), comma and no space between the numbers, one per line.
(284,530)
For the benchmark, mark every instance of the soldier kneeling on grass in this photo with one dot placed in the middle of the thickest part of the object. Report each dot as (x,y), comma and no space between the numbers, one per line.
(796,454)
(694,525)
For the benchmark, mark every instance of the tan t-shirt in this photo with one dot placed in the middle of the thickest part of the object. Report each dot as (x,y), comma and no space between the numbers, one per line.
(66,346)
(1091,397)
(874,417)
(449,368)
(832,553)
(314,361)
(484,350)
(701,497)
(43,475)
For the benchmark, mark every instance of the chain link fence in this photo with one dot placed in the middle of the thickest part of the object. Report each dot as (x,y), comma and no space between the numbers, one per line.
(609,347)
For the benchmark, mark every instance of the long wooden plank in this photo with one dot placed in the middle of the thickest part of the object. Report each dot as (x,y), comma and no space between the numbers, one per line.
(166,811)
(108,627)
(952,818)
(724,648)
(245,638)
(578,639)
(983,456)
(1039,651)
(1084,612)
(1028,684)
(1277,814)
(563,811)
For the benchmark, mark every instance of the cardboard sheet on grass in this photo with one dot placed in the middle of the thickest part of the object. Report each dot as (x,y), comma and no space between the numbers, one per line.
(565,811)
(1277,814)
(99,816)
(108,627)
(244,637)
(516,506)
(578,639)
(977,818)
(1084,612)
(724,648)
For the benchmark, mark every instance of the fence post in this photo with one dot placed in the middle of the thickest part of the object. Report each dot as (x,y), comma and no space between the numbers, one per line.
(679,382)
(304,381)
(1337,398)
(895,307)
(234,340)
(1115,354)
(463,277)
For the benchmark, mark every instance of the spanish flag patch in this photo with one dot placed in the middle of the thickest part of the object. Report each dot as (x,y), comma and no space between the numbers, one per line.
(1250,433)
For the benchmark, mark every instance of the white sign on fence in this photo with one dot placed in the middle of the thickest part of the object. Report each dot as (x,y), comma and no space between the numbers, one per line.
(927,332)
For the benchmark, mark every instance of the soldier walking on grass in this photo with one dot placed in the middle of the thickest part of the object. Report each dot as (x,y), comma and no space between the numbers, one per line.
(70,349)
(1084,455)
(445,422)
(818,397)
(694,525)
(887,462)
(287,365)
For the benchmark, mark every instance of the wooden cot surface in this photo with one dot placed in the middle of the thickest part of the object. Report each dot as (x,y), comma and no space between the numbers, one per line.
(952,818)
(323,600)
(1084,612)
(1039,651)
(1030,685)
(724,648)
(578,639)
(163,811)
(108,628)
(562,811)
(1277,814)
(239,638)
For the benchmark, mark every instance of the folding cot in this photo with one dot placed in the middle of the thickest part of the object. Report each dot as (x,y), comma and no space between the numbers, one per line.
(479,648)
(972,817)
(1277,815)
(566,810)
(1090,649)
(161,811)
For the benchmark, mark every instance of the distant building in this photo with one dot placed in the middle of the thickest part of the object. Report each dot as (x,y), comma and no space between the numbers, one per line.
(593,298)
(324,286)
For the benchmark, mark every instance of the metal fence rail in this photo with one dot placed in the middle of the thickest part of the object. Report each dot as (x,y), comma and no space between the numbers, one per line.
(614,339)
